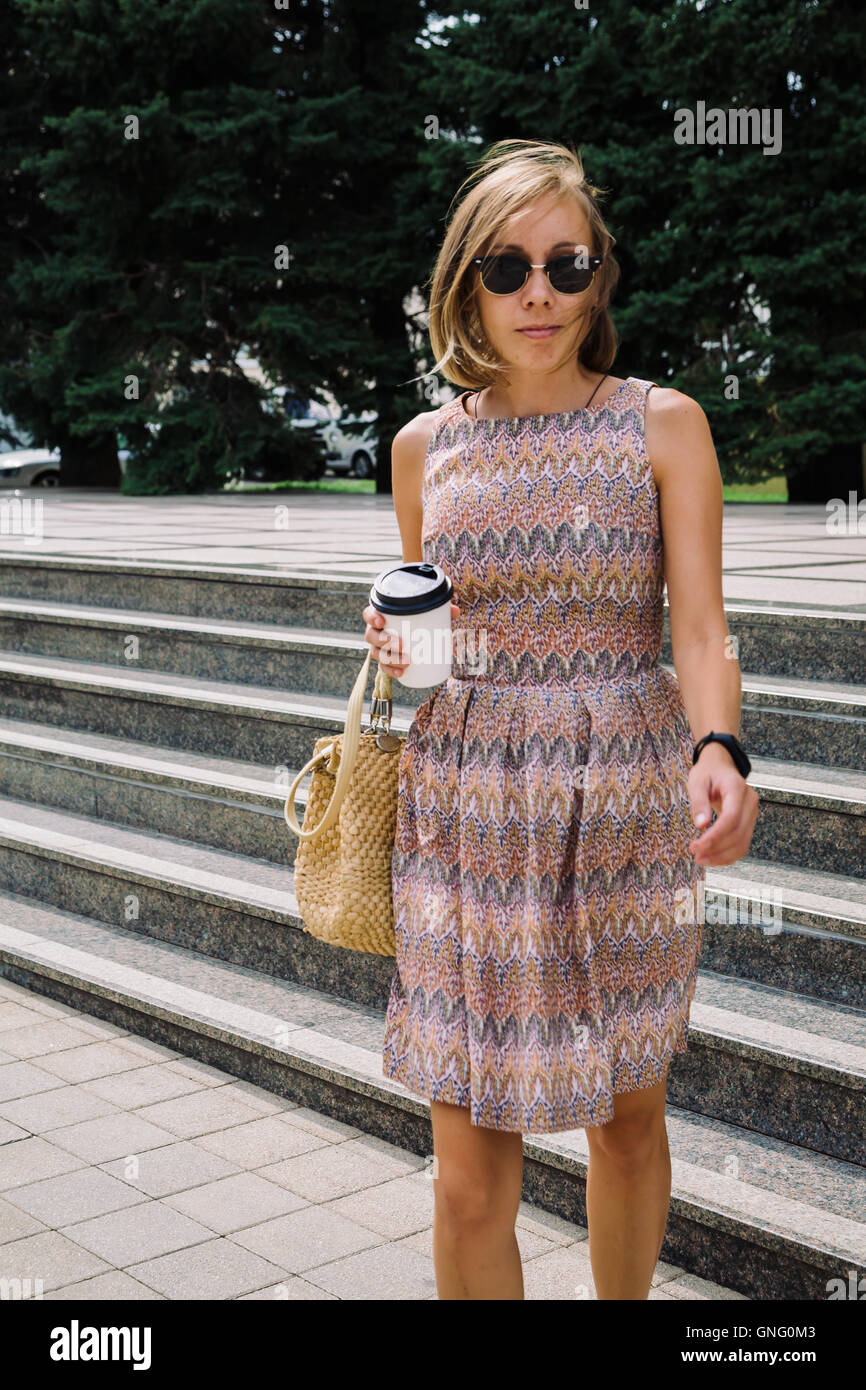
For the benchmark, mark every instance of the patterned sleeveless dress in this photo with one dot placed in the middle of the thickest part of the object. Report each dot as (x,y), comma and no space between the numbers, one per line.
(547,906)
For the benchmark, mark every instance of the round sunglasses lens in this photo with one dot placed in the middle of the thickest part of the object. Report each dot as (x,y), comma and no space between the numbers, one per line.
(568,278)
(502,274)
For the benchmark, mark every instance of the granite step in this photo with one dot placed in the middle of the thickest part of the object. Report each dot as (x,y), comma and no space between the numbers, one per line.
(744,1055)
(787,640)
(813,721)
(816,720)
(769,1218)
(268,655)
(798,928)
(92,772)
(810,817)
(227,803)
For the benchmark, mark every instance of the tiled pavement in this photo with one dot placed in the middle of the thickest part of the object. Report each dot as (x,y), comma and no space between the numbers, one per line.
(128,1171)
(796,555)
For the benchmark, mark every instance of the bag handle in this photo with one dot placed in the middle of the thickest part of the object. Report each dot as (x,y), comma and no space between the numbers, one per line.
(348,754)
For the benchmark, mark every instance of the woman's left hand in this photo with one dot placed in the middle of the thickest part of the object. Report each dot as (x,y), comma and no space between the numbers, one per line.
(716,785)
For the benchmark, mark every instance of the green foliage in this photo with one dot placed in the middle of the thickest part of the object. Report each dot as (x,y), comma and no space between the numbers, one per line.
(734,263)
(134,272)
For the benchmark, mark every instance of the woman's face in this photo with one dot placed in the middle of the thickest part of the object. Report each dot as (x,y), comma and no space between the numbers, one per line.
(554,227)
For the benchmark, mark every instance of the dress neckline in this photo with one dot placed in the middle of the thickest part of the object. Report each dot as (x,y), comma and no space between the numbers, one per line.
(551,415)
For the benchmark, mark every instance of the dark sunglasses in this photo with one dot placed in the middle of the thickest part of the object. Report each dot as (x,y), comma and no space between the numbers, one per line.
(506,274)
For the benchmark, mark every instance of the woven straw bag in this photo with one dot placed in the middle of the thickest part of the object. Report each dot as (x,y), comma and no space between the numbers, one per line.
(343,861)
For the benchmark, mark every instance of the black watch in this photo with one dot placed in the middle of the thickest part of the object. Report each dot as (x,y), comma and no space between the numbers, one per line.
(734,747)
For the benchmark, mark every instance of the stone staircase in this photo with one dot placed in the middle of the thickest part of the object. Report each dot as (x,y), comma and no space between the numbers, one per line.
(151,718)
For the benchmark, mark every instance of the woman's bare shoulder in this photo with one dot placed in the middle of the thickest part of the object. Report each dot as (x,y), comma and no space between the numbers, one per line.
(408,457)
(664,401)
(411,440)
(677,434)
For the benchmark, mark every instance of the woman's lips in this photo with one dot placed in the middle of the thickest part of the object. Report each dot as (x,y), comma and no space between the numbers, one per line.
(539,332)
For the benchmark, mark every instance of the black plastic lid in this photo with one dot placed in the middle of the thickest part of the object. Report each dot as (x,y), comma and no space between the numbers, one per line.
(413,588)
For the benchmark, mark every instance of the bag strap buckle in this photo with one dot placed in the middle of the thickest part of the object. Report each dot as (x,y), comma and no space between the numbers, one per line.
(381,704)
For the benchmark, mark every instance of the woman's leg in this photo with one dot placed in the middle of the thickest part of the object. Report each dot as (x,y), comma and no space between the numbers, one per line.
(477,1182)
(628,1192)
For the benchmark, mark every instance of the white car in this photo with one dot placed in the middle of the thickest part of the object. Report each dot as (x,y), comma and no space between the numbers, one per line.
(38,467)
(346,449)
(30,468)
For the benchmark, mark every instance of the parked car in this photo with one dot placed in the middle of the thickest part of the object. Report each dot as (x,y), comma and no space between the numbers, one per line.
(346,449)
(39,467)
(30,468)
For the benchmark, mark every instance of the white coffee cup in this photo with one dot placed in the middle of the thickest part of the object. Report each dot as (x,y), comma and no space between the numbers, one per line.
(415,600)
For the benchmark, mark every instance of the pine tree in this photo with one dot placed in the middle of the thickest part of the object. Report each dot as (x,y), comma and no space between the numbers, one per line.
(186,179)
(734,263)
(155,161)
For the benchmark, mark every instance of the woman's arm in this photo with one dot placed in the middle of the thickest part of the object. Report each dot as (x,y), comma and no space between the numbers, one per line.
(686,470)
(408,453)
(408,456)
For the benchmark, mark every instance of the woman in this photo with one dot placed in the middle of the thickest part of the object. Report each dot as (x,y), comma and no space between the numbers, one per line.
(547,873)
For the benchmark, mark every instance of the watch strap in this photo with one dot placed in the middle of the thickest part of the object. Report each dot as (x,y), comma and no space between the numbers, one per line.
(734,747)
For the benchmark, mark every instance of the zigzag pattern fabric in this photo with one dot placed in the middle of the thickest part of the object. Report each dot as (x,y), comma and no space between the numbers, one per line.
(547,906)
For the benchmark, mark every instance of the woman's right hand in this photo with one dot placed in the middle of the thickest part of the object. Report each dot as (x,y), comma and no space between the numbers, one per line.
(391,658)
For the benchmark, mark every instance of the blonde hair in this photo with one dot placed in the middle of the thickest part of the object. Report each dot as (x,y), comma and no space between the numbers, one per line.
(509,176)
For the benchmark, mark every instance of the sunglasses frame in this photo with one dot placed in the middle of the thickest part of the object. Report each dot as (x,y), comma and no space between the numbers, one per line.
(594,262)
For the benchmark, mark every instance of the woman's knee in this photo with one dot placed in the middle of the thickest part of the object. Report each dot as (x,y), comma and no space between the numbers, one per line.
(478,1174)
(466,1197)
(637,1131)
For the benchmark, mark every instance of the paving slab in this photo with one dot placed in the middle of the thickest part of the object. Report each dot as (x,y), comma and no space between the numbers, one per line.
(237,1193)
(783,553)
